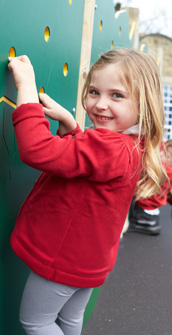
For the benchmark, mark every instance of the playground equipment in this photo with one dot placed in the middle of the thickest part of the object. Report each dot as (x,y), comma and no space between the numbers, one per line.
(61,38)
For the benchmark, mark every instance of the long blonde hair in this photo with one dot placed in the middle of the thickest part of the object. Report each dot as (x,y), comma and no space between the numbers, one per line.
(139,74)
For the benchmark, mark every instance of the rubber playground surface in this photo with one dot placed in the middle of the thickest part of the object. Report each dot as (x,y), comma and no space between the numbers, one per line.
(137,296)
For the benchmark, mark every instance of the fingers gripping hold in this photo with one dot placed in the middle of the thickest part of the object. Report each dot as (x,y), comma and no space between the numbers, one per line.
(22,70)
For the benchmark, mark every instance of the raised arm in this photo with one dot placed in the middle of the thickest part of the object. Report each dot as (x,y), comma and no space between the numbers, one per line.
(24,79)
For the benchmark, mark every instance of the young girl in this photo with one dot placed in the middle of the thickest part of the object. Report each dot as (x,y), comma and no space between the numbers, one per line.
(145,213)
(69,227)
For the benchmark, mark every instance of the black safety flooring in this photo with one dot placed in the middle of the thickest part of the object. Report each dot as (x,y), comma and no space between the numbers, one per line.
(136,298)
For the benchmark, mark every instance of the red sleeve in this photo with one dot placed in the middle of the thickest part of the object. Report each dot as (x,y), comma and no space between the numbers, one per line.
(99,154)
(169,173)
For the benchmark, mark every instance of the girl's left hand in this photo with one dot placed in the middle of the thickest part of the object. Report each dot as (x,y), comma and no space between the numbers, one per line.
(56,112)
(51,108)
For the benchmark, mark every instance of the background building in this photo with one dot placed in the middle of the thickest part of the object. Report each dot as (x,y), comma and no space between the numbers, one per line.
(160,48)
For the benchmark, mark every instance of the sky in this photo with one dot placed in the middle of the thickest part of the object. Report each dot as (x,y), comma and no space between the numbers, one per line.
(155,15)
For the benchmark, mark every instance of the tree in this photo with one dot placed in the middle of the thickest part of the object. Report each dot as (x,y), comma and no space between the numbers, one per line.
(152,21)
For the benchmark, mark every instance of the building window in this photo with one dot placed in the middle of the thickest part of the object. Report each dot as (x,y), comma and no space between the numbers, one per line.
(167,95)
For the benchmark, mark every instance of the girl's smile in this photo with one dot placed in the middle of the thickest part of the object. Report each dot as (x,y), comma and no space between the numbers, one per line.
(108,103)
(103,119)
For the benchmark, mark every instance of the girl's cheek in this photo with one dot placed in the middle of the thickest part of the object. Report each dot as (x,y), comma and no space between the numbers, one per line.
(88,106)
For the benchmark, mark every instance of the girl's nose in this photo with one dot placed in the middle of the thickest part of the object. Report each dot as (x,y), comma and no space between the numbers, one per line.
(102,103)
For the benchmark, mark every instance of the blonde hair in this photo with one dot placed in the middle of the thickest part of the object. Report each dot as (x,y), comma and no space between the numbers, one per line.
(139,74)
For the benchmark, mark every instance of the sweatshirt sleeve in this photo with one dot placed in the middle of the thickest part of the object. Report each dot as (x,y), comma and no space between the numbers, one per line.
(169,173)
(99,155)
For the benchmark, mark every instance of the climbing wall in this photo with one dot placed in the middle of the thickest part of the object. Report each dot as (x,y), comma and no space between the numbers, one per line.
(50,33)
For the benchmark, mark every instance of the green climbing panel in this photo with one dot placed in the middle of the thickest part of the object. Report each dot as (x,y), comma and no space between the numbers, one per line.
(50,33)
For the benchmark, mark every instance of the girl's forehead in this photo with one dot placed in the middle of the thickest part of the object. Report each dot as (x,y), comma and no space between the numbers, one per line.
(106,71)
(110,75)
(108,67)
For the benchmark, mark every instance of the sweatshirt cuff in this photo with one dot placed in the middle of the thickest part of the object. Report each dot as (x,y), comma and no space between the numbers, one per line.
(73,132)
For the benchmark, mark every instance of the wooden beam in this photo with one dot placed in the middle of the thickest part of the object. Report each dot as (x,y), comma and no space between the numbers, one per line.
(86,46)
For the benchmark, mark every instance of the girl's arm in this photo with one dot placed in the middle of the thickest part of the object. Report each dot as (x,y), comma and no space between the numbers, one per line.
(24,79)
(56,112)
(100,155)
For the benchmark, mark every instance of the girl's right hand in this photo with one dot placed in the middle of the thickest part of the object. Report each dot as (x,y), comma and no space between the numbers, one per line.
(24,79)
(22,70)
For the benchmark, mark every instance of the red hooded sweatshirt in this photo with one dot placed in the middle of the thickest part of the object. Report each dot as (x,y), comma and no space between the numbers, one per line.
(69,227)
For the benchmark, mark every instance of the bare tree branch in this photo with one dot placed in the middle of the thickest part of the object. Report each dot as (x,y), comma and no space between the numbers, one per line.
(158,22)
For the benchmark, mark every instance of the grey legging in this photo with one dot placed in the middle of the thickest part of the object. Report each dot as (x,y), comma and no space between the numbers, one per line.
(49,308)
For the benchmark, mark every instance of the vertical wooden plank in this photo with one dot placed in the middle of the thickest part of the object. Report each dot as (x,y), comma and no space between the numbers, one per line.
(87,32)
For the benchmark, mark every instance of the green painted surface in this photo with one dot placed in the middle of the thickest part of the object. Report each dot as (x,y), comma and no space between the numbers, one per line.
(91,304)
(22,25)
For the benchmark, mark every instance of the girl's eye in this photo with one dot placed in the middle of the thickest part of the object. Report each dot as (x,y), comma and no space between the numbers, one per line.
(94,92)
(117,95)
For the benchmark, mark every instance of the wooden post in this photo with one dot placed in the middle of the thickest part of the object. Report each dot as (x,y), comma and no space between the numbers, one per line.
(86,46)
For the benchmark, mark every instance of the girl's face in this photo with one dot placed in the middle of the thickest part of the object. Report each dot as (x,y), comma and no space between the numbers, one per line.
(108,103)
